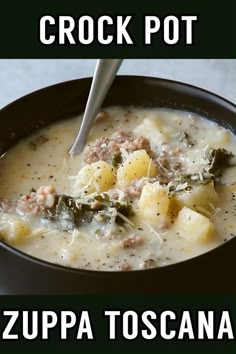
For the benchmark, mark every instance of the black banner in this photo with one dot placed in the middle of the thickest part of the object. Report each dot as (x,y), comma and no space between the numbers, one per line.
(115,324)
(151,29)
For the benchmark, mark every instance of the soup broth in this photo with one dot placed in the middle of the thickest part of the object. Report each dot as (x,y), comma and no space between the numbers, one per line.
(152,187)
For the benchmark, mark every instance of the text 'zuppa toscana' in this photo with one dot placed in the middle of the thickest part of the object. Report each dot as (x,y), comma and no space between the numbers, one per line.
(152,187)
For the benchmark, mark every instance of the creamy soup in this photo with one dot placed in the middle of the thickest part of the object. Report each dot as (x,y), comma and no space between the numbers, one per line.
(152,187)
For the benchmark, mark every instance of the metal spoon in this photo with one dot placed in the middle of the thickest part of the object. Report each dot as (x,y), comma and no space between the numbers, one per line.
(105,73)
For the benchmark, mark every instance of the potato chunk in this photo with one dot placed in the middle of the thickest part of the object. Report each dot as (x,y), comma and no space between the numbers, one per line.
(13,229)
(97,177)
(137,165)
(202,195)
(193,226)
(154,203)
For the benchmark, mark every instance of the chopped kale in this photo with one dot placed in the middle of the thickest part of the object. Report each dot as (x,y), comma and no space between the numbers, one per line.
(218,160)
(72,214)
(124,208)
(187,181)
(116,160)
(67,212)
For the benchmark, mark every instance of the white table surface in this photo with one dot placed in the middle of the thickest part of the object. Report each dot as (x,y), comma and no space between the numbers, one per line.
(19,77)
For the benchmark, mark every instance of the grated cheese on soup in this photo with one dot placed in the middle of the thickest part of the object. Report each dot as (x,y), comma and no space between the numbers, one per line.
(152,187)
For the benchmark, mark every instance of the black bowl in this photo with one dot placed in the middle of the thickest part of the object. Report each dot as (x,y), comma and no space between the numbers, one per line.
(22,274)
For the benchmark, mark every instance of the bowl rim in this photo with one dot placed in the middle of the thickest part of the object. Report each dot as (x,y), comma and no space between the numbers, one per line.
(123,77)
(166,82)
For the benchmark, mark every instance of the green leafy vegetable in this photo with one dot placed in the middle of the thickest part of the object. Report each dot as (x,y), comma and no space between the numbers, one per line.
(187,181)
(116,160)
(106,203)
(72,214)
(218,160)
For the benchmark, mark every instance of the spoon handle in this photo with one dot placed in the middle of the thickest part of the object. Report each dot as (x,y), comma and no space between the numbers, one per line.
(105,73)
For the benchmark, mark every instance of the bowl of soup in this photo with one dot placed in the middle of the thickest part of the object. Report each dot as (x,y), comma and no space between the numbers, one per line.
(148,207)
